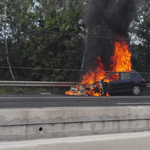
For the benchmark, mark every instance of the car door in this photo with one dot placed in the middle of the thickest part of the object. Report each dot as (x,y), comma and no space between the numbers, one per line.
(125,82)
(113,83)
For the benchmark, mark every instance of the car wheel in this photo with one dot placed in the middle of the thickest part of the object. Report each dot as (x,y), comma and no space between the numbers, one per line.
(136,90)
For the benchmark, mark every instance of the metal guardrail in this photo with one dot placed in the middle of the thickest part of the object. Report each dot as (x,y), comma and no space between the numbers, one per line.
(40,84)
(36,84)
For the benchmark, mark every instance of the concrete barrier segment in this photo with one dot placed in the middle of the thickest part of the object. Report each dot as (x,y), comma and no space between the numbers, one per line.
(29,124)
(72,114)
(125,141)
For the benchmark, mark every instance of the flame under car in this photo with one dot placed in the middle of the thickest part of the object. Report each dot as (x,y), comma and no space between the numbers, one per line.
(114,83)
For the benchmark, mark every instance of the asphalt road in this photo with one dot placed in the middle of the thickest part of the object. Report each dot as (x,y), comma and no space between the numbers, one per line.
(47,100)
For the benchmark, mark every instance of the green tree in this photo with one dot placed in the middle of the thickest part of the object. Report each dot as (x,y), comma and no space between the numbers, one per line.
(60,46)
(141,53)
(12,35)
(47,34)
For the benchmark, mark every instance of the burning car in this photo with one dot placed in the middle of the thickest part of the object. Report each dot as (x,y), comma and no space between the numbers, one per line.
(127,82)
(114,83)
(121,78)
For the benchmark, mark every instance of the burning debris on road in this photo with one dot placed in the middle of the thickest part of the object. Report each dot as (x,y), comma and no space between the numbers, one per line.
(94,89)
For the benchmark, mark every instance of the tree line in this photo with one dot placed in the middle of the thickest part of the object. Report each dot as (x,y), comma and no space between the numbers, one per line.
(44,40)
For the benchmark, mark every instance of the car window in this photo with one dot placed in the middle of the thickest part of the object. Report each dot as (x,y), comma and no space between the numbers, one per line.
(125,76)
(114,77)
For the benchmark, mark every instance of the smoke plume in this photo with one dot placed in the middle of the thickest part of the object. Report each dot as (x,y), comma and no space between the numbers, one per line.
(106,19)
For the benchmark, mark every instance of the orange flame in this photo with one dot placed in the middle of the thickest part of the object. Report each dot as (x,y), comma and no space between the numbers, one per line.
(69,93)
(120,62)
(107,95)
(96,75)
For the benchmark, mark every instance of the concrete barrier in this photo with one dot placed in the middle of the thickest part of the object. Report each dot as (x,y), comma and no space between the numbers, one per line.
(126,141)
(26,124)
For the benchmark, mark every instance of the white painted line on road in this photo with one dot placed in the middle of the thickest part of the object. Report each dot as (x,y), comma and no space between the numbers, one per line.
(148,103)
(45,93)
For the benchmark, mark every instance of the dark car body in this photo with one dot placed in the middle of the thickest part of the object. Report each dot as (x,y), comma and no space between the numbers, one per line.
(126,82)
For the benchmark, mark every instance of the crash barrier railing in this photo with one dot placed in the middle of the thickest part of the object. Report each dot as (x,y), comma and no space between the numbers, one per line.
(40,84)
(36,84)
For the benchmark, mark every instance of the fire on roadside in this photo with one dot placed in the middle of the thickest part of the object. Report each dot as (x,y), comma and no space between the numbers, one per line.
(119,62)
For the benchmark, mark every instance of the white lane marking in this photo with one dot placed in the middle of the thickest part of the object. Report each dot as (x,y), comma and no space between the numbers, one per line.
(46,93)
(133,103)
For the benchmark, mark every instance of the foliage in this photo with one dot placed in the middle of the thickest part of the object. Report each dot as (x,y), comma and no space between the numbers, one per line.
(141,52)
(46,38)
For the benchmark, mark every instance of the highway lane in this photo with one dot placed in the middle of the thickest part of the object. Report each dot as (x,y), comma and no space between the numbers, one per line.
(46,100)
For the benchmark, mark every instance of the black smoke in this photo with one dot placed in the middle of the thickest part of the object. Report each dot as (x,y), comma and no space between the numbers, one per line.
(106,19)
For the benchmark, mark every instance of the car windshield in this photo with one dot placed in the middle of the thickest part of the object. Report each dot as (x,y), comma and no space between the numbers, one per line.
(112,77)
(109,75)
